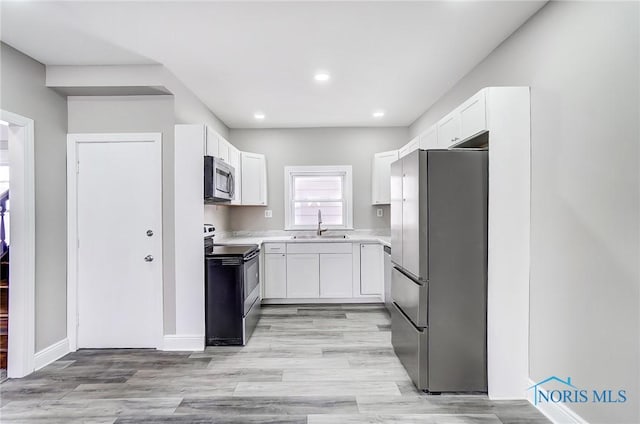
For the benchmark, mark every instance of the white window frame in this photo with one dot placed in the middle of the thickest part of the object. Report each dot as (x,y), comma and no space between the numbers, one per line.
(334,170)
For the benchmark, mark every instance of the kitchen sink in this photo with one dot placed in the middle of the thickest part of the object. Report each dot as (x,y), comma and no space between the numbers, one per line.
(315,237)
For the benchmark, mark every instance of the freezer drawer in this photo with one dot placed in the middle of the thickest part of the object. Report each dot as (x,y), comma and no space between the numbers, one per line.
(410,345)
(411,296)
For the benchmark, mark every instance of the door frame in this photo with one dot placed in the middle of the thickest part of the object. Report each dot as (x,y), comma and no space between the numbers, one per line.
(22,297)
(73,140)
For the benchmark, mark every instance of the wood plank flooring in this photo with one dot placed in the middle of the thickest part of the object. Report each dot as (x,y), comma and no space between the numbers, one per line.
(320,364)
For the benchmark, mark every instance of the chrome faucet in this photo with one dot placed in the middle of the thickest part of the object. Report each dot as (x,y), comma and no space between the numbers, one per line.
(319,231)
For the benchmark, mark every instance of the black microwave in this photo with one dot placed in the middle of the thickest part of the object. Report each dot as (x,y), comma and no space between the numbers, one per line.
(219,182)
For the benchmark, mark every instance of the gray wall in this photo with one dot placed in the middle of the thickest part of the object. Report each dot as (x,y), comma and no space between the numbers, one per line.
(315,146)
(581,61)
(24,93)
(96,114)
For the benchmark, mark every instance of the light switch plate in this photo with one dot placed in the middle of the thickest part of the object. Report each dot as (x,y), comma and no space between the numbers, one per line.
(268,213)
(379,213)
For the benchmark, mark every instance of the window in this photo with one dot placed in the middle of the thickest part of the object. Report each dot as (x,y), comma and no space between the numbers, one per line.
(309,189)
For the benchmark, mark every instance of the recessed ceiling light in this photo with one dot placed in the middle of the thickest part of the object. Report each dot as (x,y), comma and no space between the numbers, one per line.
(378,114)
(321,77)
(258,115)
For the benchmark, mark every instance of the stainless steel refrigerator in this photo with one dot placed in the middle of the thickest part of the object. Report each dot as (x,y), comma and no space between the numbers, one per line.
(439,256)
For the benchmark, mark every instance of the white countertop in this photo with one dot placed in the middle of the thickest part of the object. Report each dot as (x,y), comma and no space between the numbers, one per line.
(257,239)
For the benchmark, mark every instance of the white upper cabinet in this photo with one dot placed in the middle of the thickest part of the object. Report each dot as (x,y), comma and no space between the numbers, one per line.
(466,120)
(223,149)
(473,115)
(234,160)
(429,138)
(253,171)
(414,144)
(211,142)
(216,145)
(449,129)
(250,178)
(380,177)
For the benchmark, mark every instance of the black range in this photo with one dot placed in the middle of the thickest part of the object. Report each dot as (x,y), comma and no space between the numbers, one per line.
(232,292)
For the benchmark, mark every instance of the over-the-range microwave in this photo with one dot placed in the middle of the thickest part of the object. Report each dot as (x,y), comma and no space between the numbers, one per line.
(219,183)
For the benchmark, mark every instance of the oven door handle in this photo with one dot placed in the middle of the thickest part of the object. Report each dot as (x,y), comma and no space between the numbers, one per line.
(252,256)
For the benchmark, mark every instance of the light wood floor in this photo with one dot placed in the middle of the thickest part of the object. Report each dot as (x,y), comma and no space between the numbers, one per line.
(304,364)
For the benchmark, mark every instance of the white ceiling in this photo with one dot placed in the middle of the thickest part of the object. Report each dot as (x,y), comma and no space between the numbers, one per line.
(244,57)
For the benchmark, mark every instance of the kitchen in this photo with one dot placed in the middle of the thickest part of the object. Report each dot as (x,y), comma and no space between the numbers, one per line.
(324,337)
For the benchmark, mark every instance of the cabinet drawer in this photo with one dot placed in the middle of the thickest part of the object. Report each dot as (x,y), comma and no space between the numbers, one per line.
(275,248)
(410,296)
(410,345)
(319,248)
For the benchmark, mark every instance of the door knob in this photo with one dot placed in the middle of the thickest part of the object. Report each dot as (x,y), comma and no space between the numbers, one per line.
(149,233)
(148,258)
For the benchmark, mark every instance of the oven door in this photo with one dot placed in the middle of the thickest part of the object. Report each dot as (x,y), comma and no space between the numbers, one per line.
(251,280)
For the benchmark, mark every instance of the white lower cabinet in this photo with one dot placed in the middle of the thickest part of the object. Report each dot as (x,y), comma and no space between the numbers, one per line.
(275,275)
(371,269)
(336,275)
(303,275)
(323,271)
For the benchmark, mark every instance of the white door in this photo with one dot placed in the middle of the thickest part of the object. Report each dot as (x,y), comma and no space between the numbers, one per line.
(336,275)
(303,275)
(275,275)
(254,178)
(119,224)
(473,116)
(449,130)
(371,269)
(381,177)
(429,140)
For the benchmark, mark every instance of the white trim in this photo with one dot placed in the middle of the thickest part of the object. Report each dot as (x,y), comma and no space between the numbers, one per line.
(72,223)
(192,342)
(288,301)
(342,170)
(51,354)
(558,413)
(23,246)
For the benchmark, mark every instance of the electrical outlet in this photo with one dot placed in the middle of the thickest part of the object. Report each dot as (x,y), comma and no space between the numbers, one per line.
(379,213)
(268,213)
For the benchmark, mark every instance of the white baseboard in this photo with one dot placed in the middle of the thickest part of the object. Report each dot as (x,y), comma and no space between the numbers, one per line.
(51,354)
(183,342)
(288,301)
(558,413)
